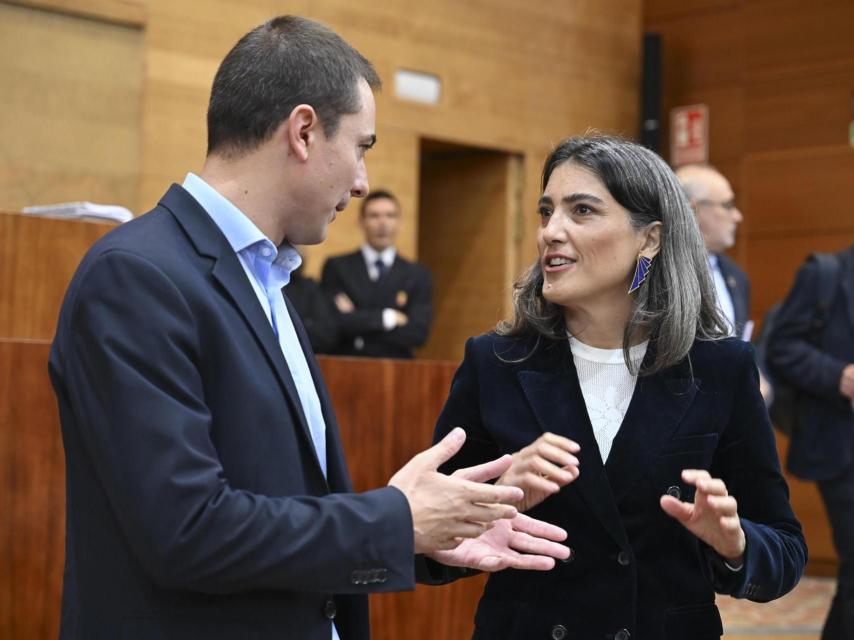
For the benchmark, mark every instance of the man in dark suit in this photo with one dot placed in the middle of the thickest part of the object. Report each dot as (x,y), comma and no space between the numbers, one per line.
(822,447)
(718,217)
(384,301)
(315,311)
(207,492)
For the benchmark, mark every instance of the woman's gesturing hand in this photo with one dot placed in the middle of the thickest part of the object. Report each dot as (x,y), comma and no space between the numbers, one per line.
(713,517)
(542,468)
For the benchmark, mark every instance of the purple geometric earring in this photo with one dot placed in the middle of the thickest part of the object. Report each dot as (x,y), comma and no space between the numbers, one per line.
(641,271)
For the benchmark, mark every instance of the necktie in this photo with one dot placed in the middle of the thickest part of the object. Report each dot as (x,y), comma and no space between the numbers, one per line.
(381,269)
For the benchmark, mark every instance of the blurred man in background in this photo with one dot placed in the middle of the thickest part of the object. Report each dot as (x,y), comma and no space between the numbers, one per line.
(384,301)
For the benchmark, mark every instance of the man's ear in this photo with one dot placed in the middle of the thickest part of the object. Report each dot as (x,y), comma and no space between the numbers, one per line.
(652,240)
(301,129)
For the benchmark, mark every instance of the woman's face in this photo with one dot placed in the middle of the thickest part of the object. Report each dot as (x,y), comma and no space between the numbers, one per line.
(588,247)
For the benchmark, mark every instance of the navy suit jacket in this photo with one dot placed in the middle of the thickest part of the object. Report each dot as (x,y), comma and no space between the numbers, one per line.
(738,285)
(406,287)
(196,504)
(632,567)
(823,445)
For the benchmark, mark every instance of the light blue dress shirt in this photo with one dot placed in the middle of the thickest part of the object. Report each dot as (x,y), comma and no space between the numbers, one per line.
(268,269)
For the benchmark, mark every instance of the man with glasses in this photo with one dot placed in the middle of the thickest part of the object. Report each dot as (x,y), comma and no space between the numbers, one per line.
(713,201)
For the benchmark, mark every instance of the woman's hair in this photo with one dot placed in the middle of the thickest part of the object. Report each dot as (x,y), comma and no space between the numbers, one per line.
(675,305)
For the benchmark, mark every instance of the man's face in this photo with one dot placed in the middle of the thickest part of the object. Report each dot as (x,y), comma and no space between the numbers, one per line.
(717,214)
(379,223)
(336,172)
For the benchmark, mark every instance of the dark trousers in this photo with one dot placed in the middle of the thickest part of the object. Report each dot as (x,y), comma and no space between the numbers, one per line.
(838,495)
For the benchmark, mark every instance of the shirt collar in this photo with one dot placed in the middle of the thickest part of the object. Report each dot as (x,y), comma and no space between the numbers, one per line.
(242,234)
(713,261)
(371,255)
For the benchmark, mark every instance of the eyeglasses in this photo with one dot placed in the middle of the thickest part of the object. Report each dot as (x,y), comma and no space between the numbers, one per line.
(729,205)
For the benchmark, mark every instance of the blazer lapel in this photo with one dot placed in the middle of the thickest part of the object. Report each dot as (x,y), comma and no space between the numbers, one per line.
(555,397)
(739,302)
(228,271)
(355,274)
(655,411)
(337,476)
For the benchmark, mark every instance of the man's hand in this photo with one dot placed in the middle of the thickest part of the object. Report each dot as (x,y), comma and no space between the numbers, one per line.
(542,468)
(846,382)
(401,319)
(344,304)
(713,517)
(520,543)
(446,509)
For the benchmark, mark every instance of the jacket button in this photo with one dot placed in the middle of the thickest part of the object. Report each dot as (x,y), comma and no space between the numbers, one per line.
(570,557)
(359,343)
(674,491)
(622,634)
(624,558)
(329,609)
(558,632)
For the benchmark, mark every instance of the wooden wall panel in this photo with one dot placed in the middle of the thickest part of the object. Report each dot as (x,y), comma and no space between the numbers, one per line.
(44,254)
(464,199)
(796,36)
(798,190)
(515,77)
(777,110)
(778,77)
(32,495)
(70,115)
(383,424)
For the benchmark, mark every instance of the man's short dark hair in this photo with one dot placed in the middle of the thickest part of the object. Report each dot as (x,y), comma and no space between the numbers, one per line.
(280,64)
(379,194)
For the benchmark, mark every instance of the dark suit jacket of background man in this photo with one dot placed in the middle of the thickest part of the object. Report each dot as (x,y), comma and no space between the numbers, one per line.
(406,287)
(738,285)
(632,567)
(186,445)
(823,446)
(316,311)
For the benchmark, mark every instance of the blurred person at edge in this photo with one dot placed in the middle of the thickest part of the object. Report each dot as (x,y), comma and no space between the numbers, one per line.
(822,445)
(384,301)
(634,421)
(713,200)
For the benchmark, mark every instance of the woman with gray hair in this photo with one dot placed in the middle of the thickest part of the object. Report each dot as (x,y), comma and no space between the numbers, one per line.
(634,422)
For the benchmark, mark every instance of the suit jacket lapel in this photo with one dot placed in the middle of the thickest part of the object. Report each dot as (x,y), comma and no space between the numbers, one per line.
(735,293)
(337,476)
(555,397)
(228,271)
(355,274)
(655,411)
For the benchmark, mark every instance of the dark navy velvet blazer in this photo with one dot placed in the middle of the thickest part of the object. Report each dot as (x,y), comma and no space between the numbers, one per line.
(633,569)
(823,446)
(196,504)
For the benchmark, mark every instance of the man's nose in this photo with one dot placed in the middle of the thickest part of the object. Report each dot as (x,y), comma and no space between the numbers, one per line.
(736,215)
(360,186)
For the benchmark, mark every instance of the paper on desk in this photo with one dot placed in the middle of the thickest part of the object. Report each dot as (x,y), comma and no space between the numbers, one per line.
(81,210)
